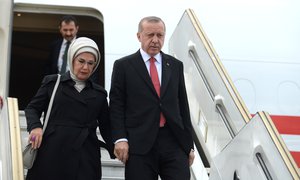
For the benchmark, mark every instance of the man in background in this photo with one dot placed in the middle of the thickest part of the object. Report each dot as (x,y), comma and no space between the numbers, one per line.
(68,28)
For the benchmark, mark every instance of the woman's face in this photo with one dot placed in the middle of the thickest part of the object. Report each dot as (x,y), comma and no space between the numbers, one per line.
(83,65)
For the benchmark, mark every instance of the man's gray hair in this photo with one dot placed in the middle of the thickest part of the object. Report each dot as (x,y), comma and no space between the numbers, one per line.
(152,19)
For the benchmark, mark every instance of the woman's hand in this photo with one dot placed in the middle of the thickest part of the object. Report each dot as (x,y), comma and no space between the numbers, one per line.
(35,137)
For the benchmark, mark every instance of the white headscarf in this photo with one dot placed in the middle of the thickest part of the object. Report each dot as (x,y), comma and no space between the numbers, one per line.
(77,47)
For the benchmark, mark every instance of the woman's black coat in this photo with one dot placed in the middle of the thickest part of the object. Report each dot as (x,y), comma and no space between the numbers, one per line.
(70,148)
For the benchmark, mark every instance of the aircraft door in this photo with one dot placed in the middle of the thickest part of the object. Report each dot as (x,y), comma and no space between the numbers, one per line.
(11,166)
(5,36)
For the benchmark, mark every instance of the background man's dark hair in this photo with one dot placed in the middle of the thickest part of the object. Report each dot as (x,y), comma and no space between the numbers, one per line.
(67,19)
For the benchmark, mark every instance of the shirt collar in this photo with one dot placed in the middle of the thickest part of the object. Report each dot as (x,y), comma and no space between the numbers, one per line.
(146,56)
(65,41)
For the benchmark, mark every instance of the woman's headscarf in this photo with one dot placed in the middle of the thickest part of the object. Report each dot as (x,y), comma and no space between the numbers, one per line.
(80,45)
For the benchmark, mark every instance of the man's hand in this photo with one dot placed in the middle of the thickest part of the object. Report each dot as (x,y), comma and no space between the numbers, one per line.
(121,151)
(191,157)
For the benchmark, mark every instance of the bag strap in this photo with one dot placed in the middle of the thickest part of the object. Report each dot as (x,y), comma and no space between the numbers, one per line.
(51,102)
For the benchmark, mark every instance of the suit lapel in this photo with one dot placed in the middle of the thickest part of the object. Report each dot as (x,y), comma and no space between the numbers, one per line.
(57,51)
(166,74)
(139,65)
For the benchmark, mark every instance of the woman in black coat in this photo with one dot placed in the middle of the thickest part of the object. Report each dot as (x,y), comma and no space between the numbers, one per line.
(69,149)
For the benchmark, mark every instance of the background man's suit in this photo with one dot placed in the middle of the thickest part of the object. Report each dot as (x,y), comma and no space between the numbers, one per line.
(51,65)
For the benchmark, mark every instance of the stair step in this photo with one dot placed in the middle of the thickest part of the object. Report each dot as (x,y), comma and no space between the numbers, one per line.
(112,178)
(112,169)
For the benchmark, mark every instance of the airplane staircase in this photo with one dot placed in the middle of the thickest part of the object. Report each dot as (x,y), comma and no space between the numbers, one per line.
(231,144)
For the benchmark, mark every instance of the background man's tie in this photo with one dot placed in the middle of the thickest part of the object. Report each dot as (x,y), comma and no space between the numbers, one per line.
(64,64)
(155,81)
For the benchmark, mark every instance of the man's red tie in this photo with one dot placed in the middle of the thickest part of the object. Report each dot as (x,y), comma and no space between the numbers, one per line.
(155,81)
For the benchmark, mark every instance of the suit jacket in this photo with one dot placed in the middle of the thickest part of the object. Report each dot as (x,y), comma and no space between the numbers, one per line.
(51,64)
(135,106)
(70,144)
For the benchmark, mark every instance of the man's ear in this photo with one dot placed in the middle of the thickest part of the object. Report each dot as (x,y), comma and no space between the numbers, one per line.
(138,36)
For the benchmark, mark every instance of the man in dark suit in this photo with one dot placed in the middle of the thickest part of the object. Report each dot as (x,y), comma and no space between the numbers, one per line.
(68,28)
(149,109)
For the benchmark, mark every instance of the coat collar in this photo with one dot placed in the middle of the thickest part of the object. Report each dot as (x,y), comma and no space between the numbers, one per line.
(68,89)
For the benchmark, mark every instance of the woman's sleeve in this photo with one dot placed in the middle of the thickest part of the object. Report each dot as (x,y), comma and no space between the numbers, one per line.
(37,106)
